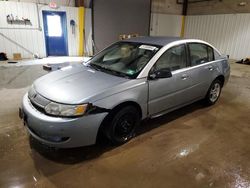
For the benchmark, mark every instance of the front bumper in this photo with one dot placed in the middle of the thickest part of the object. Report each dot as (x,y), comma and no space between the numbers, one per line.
(61,132)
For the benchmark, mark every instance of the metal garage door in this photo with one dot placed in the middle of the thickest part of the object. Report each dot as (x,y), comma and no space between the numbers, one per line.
(112,18)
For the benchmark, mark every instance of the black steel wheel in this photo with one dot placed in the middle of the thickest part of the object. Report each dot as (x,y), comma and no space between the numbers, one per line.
(121,126)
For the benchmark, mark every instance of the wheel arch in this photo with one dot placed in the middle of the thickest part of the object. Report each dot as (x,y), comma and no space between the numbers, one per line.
(113,111)
(220,78)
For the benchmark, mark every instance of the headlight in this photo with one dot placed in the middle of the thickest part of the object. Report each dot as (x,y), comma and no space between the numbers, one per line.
(65,110)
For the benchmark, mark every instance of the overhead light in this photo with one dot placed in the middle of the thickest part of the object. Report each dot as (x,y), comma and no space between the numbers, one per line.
(243,3)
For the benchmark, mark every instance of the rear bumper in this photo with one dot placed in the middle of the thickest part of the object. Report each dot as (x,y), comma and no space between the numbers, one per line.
(60,132)
(227,75)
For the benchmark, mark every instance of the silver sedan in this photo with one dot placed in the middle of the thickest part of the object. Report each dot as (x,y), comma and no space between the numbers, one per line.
(131,80)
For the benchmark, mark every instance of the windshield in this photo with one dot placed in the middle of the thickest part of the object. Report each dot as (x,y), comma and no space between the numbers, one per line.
(125,59)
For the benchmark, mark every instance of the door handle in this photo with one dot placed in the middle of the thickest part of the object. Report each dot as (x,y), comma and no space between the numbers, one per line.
(210,68)
(184,77)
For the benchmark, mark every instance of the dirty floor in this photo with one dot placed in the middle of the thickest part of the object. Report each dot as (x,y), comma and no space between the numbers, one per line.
(196,146)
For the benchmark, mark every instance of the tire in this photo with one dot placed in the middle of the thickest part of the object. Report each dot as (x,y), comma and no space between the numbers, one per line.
(121,125)
(213,93)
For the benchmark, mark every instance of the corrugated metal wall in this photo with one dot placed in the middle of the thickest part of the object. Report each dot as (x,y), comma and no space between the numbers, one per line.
(88,47)
(165,25)
(30,36)
(230,33)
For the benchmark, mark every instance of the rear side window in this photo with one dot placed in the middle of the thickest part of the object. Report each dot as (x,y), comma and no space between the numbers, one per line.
(174,59)
(200,53)
(210,52)
(216,55)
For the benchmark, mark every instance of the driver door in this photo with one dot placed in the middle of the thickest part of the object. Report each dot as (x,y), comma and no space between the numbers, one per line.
(168,93)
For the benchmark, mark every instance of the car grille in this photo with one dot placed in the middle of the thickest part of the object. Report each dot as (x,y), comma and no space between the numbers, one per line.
(39,108)
(38,101)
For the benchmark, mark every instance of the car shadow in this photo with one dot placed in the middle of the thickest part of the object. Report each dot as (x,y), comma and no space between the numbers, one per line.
(70,155)
(153,123)
(80,154)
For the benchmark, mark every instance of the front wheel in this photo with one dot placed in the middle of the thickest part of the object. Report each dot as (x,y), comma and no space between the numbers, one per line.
(121,126)
(214,92)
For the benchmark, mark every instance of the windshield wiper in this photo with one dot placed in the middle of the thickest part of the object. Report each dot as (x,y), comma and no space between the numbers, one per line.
(117,73)
(94,66)
(105,69)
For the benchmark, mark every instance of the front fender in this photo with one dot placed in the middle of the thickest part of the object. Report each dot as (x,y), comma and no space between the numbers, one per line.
(137,93)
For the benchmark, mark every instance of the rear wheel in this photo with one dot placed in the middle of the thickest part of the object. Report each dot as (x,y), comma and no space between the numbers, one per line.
(214,92)
(120,127)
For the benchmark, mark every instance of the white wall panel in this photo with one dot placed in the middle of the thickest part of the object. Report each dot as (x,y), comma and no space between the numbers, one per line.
(25,10)
(165,25)
(230,33)
(88,47)
(30,36)
(59,2)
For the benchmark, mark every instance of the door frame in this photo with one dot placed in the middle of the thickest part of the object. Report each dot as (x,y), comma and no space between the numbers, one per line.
(64,29)
(146,69)
(176,76)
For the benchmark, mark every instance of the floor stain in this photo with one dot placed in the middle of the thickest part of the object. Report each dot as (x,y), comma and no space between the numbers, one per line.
(195,146)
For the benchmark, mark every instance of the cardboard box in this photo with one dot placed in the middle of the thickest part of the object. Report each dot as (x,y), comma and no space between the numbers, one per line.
(17,56)
(124,36)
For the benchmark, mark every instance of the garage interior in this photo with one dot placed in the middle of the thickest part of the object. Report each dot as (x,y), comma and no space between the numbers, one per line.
(194,146)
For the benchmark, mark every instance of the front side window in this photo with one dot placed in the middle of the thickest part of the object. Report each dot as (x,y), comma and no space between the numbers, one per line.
(173,59)
(200,53)
(125,59)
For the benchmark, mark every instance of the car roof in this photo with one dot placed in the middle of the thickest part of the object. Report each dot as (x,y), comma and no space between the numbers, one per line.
(160,41)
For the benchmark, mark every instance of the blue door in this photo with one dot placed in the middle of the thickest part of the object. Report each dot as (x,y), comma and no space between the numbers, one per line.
(55,32)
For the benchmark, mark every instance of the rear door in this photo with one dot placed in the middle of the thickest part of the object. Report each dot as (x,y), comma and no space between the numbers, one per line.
(202,67)
(168,93)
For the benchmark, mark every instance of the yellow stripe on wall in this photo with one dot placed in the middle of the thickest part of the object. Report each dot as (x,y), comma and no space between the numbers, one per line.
(183,26)
(81,30)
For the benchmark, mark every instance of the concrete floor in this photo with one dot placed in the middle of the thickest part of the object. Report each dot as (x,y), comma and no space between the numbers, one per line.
(55,60)
(193,147)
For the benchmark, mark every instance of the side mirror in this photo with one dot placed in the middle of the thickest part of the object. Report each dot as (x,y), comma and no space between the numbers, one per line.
(163,73)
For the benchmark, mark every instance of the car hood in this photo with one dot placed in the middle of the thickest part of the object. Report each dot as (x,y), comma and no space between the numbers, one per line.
(75,85)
